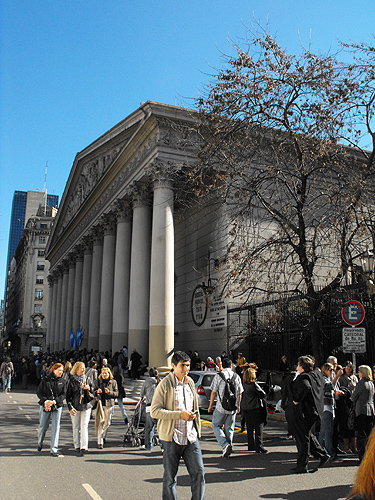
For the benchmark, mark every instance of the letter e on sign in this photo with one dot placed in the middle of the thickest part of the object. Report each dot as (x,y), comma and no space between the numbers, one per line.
(353,313)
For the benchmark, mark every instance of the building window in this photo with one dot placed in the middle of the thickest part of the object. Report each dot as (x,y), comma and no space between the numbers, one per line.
(42,239)
(39,280)
(43,225)
(41,253)
(40,267)
(38,294)
(37,308)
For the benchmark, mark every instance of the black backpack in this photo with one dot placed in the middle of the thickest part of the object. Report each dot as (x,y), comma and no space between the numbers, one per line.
(229,400)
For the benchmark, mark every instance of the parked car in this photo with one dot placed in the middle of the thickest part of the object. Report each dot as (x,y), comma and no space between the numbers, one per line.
(202,382)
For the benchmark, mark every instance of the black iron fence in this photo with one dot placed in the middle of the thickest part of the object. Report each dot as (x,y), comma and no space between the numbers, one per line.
(266,331)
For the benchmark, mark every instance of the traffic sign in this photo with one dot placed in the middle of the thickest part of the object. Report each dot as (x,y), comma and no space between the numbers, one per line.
(353,313)
(354,339)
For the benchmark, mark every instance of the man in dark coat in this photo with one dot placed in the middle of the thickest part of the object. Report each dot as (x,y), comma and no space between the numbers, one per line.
(307,400)
(135,359)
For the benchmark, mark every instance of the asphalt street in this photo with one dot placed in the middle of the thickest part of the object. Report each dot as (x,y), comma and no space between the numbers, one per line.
(121,472)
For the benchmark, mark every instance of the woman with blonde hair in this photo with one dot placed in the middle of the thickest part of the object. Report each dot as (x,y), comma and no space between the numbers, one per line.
(106,393)
(364,486)
(79,396)
(67,369)
(363,400)
(327,420)
(253,409)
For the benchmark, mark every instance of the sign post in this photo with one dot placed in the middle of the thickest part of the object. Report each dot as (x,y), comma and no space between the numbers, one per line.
(353,339)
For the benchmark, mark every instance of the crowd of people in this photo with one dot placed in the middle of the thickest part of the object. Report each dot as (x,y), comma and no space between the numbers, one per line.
(329,410)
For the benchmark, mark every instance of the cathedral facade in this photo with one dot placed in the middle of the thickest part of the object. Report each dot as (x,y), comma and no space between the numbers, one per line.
(130,264)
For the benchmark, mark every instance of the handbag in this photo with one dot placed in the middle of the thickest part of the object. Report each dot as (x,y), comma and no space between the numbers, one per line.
(351,419)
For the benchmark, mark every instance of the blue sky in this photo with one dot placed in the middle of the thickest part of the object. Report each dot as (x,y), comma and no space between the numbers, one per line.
(70,70)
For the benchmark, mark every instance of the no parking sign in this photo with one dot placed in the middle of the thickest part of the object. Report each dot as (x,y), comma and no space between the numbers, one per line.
(353,313)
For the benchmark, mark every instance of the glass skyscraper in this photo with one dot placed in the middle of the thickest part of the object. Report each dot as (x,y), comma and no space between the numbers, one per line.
(25,204)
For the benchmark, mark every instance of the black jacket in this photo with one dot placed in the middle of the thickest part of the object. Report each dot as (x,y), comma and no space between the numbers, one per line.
(307,388)
(52,387)
(73,394)
(252,396)
(107,398)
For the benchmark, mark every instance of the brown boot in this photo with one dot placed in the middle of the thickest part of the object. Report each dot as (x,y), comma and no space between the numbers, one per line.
(347,445)
(354,445)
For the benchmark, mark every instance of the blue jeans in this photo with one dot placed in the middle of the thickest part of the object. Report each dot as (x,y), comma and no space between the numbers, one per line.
(223,427)
(122,407)
(192,456)
(326,433)
(149,432)
(44,419)
(6,382)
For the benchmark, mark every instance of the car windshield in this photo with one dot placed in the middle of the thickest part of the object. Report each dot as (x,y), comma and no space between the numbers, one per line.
(207,379)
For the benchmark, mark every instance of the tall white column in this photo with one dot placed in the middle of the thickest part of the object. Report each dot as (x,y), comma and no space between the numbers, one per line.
(122,278)
(96,283)
(64,298)
(161,339)
(85,294)
(57,307)
(50,310)
(139,299)
(106,295)
(70,301)
(77,291)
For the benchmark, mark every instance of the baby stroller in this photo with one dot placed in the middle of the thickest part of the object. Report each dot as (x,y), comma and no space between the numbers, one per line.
(135,434)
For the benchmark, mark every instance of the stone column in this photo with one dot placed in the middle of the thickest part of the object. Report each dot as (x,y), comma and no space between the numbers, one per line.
(85,293)
(161,339)
(77,290)
(50,310)
(57,307)
(106,295)
(122,277)
(139,299)
(70,300)
(64,298)
(95,288)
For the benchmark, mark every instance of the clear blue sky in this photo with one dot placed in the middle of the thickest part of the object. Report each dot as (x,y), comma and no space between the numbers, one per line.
(70,70)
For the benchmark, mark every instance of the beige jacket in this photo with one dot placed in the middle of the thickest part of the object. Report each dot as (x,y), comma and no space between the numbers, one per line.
(163,407)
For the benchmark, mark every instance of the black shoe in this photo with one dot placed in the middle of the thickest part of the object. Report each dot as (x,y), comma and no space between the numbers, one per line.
(40,446)
(227,451)
(100,446)
(126,421)
(78,452)
(296,470)
(262,450)
(83,451)
(323,461)
(55,454)
(339,451)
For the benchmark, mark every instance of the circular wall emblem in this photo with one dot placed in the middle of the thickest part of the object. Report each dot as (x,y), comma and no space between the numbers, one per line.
(199,305)
(353,313)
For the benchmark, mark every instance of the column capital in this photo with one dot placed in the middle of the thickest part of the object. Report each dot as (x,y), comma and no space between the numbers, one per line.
(140,194)
(96,234)
(123,210)
(108,223)
(51,278)
(86,244)
(163,174)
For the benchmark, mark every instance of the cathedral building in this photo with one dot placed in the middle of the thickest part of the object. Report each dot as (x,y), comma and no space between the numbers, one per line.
(130,262)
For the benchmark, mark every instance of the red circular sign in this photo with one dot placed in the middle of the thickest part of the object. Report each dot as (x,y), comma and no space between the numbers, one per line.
(353,313)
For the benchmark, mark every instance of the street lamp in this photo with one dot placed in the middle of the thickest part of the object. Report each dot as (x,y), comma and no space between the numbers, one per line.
(367,262)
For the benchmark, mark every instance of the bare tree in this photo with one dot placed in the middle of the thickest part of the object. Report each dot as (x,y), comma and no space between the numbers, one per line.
(276,131)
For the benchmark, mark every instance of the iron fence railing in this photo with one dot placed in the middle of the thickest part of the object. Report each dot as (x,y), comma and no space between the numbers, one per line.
(266,331)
